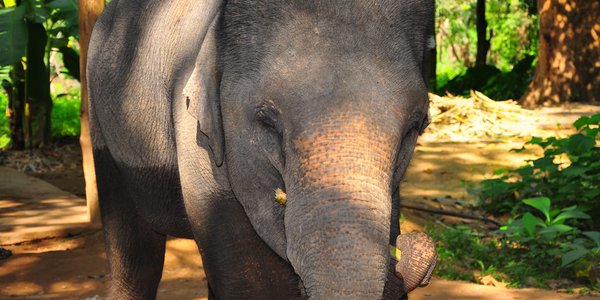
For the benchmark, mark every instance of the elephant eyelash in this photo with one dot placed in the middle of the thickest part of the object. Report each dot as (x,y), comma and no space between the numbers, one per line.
(268,117)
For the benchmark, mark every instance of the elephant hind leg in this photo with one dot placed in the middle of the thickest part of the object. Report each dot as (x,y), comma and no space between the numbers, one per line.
(135,252)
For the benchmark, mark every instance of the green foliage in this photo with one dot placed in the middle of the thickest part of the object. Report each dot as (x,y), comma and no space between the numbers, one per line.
(515,32)
(513,28)
(554,203)
(13,34)
(4,129)
(551,229)
(568,173)
(511,85)
(474,79)
(528,247)
(59,17)
(65,115)
(492,81)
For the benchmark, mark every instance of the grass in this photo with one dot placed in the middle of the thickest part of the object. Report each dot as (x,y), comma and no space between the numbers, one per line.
(65,116)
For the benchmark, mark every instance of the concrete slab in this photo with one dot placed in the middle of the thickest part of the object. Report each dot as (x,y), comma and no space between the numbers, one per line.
(32,209)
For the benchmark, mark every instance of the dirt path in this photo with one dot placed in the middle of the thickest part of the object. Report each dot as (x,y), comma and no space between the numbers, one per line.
(75,267)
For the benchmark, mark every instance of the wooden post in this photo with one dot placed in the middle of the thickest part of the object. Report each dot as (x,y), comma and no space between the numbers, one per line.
(89,10)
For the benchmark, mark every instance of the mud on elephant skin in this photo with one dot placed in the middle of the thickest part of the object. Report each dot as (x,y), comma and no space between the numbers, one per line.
(201,110)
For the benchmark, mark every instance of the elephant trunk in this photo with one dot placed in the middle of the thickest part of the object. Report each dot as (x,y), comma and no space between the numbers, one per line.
(340,248)
(338,211)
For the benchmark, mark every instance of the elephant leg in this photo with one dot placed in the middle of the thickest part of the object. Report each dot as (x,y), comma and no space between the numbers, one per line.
(135,252)
(238,264)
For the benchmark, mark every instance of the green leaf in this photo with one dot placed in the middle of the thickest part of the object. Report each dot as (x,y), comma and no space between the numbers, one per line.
(540,203)
(570,214)
(592,194)
(594,236)
(67,10)
(581,122)
(40,13)
(9,3)
(545,163)
(13,35)
(499,171)
(579,144)
(584,121)
(572,256)
(530,222)
(556,228)
(535,141)
(574,170)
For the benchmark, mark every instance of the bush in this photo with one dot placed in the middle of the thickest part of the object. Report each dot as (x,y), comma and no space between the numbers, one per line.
(554,203)
(4,129)
(527,248)
(493,82)
(568,173)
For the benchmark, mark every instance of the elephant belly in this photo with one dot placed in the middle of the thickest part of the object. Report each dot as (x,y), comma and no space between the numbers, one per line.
(144,152)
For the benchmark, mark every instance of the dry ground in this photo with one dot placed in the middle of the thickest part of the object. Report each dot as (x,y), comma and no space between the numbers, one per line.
(75,267)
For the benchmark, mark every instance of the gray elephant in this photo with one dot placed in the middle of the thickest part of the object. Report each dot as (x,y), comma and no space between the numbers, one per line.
(201,110)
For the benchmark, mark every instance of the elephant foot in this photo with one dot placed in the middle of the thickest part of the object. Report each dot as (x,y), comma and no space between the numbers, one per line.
(415,257)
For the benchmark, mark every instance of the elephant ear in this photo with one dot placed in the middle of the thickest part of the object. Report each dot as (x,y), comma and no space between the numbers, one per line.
(202,96)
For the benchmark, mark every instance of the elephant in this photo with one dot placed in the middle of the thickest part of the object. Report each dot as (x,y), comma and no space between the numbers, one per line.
(201,110)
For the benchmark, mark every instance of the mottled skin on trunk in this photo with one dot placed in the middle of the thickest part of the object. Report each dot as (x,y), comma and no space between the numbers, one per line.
(200,111)
(337,218)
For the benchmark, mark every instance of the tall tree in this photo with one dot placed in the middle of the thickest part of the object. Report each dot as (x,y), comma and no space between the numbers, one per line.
(38,102)
(89,10)
(29,31)
(483,42)
(568,68)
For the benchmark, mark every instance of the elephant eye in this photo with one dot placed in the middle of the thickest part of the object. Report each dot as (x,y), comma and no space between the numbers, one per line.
(268,117)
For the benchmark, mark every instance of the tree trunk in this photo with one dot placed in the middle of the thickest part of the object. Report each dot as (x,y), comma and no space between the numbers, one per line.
(483,43)
(38,103)
(16,105)
(89,10)
(568,67)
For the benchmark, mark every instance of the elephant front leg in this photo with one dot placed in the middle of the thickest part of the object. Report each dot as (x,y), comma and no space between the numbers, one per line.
(135,252)
(238,264)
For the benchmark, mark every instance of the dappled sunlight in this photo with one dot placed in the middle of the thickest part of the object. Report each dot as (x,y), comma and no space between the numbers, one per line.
(568,66)
(183,275)
(21,288)
(445,289)
(55,274)
(446,169)
(16,261)
(43,210)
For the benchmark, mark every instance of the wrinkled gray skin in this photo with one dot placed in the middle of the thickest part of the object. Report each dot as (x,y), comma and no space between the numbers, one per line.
(200,110)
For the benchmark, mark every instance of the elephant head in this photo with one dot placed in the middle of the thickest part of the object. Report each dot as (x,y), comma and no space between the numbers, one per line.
(324,100)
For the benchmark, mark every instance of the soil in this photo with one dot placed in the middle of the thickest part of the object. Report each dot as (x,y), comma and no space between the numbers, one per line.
(75,267)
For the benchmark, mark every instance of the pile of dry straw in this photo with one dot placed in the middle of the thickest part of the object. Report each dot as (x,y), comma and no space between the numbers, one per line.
(478,118)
